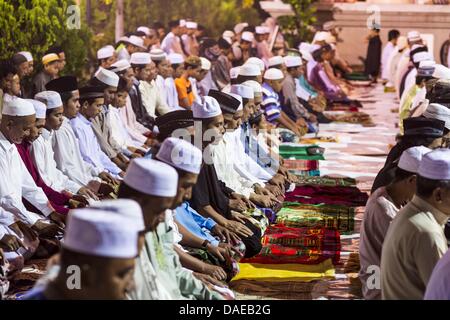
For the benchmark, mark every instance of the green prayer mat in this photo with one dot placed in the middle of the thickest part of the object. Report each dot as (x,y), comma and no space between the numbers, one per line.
(297,152)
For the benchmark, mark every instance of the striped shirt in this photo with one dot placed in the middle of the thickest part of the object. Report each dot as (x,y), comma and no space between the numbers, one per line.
(271,104)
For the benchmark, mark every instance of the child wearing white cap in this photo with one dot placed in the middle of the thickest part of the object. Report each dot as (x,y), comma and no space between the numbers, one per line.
(106,56)
(415,240)
(382,206)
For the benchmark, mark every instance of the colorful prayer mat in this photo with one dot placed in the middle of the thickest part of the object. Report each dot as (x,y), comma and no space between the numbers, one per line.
(293,290)
(326,181)
(298,245)
(258,218)
(308,173)
(301,165)
(319,140)
(285,272)
(339,218)
(292,151)
(345,196)
(351,117)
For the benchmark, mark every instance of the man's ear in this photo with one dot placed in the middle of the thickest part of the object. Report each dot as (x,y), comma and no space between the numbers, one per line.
(10,124)
(438,195)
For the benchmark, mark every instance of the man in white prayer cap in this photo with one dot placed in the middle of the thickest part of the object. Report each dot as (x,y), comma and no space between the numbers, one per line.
(415,240)
(106,56)
(159,275)
(105,246)
(382,206)
(19,116)
(42,150)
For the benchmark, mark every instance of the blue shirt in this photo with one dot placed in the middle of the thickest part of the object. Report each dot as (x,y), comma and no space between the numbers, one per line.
(195,223)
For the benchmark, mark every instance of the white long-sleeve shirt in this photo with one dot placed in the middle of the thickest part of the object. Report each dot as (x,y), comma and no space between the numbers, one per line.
(89,146)
(388,49)
(172,94)
(44,160)
(16,183)
(68,157)
(152,100)
(134,128)
(119,132)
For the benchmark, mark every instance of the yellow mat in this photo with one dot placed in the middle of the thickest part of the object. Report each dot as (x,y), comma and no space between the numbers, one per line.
(285,272)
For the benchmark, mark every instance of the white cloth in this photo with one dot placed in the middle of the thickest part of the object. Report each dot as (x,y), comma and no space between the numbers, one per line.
(222,156)
(172,94)
(419,98)
(89,146)
(387,51)
(43,157)
(119,131)
(134,128)
(160,83)
(244,164)
(16,183)
(68,157)
(152,100)
(172,44)
(197,97)
(410,81)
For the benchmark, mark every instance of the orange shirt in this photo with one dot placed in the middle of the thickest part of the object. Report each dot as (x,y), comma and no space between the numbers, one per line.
(184,90)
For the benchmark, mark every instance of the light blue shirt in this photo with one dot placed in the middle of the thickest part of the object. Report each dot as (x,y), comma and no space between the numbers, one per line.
(195,223)
(89,147)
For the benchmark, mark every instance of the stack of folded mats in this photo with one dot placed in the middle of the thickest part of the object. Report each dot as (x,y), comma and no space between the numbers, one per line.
(333,217)
(284,245)
(326,181)
(302,159)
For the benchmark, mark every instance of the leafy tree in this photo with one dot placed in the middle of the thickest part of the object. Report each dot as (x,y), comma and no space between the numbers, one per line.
(36,25)
(296,27)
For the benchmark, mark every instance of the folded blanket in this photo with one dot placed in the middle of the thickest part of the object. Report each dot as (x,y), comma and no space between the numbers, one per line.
(346,196)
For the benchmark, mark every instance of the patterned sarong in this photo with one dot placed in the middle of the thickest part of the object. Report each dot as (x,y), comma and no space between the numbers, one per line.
(301,165)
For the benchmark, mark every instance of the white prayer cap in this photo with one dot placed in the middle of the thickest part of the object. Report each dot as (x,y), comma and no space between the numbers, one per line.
(120,65)
(321,36)
(175,58)
(247,36)
(49,58)
(206,64)
(439,112)
(145,30)
(105,52)
(421,56)
(141,58)
(123,39)
(239,98)
(329,25)
(208,108)
(107,77)
(256,87)
(314,47)
(191,25)
(100,233)
(304,46)
(441,72)
(126,208)
(137,41)
(402,42)
(256,61)
(27,55)
(182,23)
(228,34)
(414,36)
(273,74)
(157,55)
(234,72)
(18,108)
(39,107)
(152,177)
(427,63)
(249,70)
(242,91)
(181,155)
(240,26)
(293,61)
(51,99)
(435,165)
(260,30)
(275,61)
(411,158)
(306,55)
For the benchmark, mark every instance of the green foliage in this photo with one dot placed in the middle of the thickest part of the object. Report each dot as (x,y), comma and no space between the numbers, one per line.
(36,25)
(215,15)
(296,27)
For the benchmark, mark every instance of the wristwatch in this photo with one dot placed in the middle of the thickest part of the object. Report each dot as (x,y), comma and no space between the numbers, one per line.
(205,243)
